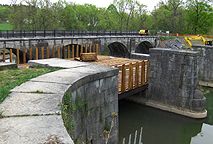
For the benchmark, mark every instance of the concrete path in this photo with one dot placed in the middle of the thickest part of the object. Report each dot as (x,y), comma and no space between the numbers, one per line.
(31,117)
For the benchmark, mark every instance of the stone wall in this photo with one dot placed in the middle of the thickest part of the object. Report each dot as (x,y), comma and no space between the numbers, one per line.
(205,62)
(99,100)
(173,79)
(82,97)
(93,93)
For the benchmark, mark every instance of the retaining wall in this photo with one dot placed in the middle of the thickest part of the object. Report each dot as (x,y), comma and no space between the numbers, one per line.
(33,109)
(205,62)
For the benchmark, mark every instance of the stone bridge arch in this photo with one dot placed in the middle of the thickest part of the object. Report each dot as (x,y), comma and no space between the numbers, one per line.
(118,49)
(143,47)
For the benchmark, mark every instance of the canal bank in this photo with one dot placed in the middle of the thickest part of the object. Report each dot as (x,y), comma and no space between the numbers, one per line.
(161,127)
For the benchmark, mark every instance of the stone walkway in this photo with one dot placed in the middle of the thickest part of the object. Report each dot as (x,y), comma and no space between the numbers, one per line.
(31,117)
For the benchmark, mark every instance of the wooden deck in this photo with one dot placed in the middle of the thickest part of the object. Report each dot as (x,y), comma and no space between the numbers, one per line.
(130,82)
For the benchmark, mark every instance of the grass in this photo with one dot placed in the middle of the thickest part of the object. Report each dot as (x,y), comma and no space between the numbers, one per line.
(11,78)
(6,27)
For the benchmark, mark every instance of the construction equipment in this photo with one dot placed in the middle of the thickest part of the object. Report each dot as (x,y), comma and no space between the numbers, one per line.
(204,42)
(144,32)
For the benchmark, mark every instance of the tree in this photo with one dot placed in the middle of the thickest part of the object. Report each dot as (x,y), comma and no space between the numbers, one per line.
(199,16)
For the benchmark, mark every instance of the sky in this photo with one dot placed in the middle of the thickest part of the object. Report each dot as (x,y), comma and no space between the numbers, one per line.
(100,3)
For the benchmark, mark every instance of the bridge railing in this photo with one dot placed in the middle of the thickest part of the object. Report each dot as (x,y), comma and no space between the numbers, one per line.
(44,52)
(61,33)
(132,75)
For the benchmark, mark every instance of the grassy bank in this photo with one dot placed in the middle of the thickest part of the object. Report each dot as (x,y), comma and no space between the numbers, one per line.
(6,27)
(11,78)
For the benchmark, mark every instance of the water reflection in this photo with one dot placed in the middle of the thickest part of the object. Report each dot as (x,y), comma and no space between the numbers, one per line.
(160,127)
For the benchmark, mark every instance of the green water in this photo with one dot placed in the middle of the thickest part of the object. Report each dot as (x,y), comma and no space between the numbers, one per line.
(160,127)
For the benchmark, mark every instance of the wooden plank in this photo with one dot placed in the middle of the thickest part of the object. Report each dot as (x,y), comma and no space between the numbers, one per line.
(24,56)
(130,84)
(17,55)
(96,49)
(63,52)
(73,51)
(68,51)
(31,54)
(85,48)
(123,79)
(137,75)
(42,52)
(82,50)
(48,50)
(122,95)
(58,51)
(88,56)
(11,55)
(142,73)
(4,56)
(36,53)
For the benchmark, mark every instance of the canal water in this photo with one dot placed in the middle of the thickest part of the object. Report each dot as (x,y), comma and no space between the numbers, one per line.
(160,127)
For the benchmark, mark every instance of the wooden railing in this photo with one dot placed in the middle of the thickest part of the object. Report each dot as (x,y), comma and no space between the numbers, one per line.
(132,75)
(65,52)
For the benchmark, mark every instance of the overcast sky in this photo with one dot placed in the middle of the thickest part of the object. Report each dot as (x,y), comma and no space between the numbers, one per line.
(100,3)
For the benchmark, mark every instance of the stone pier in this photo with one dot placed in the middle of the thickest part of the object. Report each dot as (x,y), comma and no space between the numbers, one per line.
(174,83)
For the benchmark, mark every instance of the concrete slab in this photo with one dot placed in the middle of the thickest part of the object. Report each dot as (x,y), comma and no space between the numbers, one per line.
(47,87)
(69,76)
(30,104)
(56,62)
(33,130)
(7,65)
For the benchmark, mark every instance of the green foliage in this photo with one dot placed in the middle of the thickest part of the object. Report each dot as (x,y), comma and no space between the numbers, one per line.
(13,77)
(199,16)
(203,90)
(175,16)
(107,126)
(6,27)
(167,38)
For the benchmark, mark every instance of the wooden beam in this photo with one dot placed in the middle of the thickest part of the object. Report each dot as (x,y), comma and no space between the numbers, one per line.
(131,92)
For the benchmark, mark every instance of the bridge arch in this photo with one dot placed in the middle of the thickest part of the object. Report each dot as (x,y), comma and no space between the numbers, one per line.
(118,49)
(144,47)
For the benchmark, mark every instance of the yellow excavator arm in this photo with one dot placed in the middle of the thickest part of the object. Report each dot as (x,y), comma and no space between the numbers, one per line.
(204,42)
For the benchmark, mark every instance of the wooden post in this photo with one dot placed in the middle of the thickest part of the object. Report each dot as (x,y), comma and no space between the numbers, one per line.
(42,52)
(96,49)
(53,52)
(123,79)
(73,51)
(142,73)
(82,48)
(77,51)
(30,53)
(85,48)
(130,84)
(36,53)
(68,51)
(48,50)
(17,56)
(24,56)
(63,52)
(58,51)
(137,75)
(147,72)
(11,56)
(90,49)
(93,48)
(3,55)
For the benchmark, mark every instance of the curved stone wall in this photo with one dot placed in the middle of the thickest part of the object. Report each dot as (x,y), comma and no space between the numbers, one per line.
(32,112)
